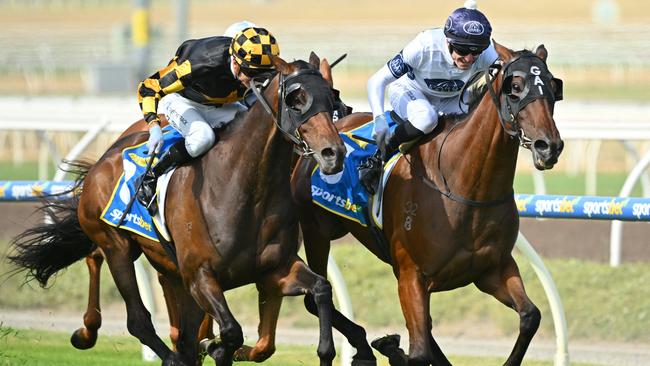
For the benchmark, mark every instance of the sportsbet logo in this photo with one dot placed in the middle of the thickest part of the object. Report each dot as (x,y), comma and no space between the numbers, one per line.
(522,203)
(344,203)
(137,220)
(604,208)
(556,206)
(641,210)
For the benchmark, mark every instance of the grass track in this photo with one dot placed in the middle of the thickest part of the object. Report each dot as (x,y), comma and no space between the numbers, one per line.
(37,348)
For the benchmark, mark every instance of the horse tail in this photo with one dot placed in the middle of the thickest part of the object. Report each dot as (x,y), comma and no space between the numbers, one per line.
(48,248)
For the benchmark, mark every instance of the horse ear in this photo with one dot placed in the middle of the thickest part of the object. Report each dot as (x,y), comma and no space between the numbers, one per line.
(314,59)
(281,65)
(326,71)
(541,52)
(504,52)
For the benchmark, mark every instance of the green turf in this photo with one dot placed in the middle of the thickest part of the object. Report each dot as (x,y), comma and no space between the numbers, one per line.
(36,348)
(601,303)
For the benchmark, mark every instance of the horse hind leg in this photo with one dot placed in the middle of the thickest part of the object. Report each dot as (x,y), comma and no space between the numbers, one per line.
(86,336)
(139,322)
(269,301)
(505,285)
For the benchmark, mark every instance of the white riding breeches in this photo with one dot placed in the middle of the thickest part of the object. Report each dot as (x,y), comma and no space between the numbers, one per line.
(195,121)
(420,109)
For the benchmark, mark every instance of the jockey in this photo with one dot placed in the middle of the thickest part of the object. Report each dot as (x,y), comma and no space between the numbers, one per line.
(426,79)
(201,88)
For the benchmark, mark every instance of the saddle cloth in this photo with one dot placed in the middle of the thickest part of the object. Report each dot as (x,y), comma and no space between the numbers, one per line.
(342,193)
(138,219)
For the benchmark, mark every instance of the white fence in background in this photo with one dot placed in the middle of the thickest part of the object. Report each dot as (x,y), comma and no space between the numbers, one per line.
(576,121)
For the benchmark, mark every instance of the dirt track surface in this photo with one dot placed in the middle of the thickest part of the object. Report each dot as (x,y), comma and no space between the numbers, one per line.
(551,238)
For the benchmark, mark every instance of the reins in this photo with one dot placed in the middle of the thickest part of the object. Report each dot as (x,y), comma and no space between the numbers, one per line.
(447,192)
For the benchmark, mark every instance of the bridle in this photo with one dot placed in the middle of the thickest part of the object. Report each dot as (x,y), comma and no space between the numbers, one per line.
(508,107)
(289,118)
(538,86)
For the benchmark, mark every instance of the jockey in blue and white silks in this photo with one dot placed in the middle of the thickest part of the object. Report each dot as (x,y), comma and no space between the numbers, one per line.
(427,76)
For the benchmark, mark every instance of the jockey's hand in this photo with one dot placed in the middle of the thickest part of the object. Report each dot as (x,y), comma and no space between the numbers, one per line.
(380,129)
(155,138)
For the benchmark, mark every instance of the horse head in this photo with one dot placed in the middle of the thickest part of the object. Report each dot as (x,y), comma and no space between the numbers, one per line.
(526,102)
(304,105)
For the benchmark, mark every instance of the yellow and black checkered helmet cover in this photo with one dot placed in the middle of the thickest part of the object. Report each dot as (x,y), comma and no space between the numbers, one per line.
(253,47)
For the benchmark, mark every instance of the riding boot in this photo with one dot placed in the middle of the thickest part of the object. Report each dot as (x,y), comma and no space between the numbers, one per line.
(370,171)
(175,156)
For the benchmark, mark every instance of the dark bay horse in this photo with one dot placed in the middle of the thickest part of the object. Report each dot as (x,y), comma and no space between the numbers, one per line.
(449,213)
(230,216)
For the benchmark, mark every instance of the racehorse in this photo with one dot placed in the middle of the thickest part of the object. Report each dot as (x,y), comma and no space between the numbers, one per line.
(230,216)
(86,336)
(449,214)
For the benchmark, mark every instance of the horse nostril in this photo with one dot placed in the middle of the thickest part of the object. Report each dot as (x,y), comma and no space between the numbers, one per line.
(328,153)
(541,146)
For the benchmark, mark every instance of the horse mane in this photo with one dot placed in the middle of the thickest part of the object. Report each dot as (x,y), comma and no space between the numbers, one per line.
(476,89)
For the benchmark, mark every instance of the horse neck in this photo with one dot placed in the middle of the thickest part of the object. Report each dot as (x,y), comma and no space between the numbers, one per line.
(260,154)
(478,159)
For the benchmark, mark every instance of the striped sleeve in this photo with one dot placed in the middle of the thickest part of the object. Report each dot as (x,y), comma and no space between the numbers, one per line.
(165,81)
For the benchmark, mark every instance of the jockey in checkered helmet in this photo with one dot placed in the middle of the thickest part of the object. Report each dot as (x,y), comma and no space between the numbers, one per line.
(251,51)
(201,89)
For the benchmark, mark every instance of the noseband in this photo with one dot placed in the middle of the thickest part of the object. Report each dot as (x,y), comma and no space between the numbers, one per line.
(289,118)
(538,80)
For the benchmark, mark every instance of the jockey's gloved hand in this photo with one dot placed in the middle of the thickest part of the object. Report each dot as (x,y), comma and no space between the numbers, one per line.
(380,129)
(155,139)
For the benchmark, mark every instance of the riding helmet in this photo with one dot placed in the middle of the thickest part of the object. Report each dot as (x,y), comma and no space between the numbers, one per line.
(253,47)
(468,27)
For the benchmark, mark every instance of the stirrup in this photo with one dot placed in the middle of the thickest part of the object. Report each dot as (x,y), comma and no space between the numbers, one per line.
(146,195)
(370,173)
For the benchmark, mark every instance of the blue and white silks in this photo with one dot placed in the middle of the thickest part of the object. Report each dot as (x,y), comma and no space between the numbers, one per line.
(134,159)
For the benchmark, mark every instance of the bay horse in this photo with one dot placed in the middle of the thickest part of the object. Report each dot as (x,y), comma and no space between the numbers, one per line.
(449,214)
(85,337)
(230,216)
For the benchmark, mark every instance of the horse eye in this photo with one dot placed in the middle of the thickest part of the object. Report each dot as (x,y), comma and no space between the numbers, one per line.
(516,88)
(299,100)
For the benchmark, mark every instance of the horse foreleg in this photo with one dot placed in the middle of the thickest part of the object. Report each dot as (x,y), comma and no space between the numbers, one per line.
(86,336)
(505,285)
(209,296)
(414,299)
(300,280)
(317,249)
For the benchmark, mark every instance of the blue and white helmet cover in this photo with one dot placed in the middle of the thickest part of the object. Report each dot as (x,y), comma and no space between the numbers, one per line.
(468,27)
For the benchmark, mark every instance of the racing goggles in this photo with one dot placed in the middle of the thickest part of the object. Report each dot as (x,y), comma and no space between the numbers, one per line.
(464,50)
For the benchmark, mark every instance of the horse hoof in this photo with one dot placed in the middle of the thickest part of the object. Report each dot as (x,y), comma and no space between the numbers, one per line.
(82,338)
(173,359)
(386,344)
